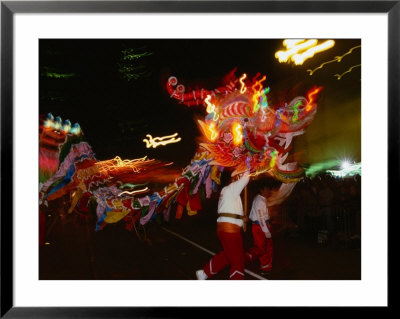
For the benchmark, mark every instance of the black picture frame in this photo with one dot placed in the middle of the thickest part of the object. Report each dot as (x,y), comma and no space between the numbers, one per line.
(9,8)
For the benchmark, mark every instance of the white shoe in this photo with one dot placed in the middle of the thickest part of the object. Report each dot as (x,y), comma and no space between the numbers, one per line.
(201,275)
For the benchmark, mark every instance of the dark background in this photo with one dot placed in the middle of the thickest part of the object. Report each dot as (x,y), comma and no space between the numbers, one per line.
(118,101)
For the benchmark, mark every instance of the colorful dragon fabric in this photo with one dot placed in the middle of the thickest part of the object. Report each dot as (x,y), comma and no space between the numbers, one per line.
(239,131)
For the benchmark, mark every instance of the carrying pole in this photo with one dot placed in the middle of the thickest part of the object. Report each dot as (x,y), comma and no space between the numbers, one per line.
(245,209)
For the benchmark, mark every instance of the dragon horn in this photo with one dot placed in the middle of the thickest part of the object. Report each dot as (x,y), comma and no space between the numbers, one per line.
(196,97)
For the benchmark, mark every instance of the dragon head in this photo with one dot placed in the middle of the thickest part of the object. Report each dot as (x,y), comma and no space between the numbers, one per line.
(241,130)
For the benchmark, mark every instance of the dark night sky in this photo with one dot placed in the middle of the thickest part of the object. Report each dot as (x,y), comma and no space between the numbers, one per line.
(116,114)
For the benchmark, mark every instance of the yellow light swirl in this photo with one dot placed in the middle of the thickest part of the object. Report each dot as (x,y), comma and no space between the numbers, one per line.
(243,88)
(213,131)
(311,72)
(339,76)
(210,106)
(157,141)
(336,59)
(339,58)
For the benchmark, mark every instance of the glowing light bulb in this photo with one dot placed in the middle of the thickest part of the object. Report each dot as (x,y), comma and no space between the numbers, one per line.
(345,164)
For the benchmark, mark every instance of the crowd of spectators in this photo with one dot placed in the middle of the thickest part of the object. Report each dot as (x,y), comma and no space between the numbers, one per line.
(325,207)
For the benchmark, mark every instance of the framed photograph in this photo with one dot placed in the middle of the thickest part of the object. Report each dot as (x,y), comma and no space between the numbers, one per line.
(144,107)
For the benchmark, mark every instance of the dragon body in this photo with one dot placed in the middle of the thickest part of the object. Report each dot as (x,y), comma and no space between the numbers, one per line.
(239,131)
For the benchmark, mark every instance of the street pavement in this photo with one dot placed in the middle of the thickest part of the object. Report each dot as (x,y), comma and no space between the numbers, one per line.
(174,250)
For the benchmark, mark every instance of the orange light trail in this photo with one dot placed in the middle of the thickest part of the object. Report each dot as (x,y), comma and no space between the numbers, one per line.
(310,98)
(257,92)
(258,83)
(117,163)
(209,130)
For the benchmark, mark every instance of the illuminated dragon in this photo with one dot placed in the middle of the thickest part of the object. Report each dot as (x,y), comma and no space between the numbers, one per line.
(240,131)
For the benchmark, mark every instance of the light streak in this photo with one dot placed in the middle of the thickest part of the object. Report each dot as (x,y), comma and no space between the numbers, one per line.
(134,192)
(257,93)
(131,185)
(258,83)
(283,56)
(348,170)
(57,123)
(157,141)
(215,117)
(58,75)
(339,76)
(237,133)
(256,106)
(117,163)
(243,88)
(258,172)
(298,59)
(290,43)
(273,158)
(213,131)
(336,59)
(310,98)
(316,168)
(321,66)
(210,106)
(339,58)
(264,102)
(296,111)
